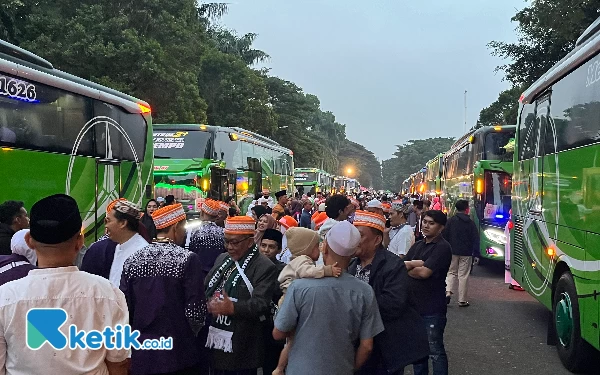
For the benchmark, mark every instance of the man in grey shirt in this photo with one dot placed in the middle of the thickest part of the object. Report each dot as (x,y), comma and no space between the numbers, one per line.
(334,313)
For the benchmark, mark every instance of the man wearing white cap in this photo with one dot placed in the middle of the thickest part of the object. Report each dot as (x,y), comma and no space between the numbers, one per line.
(337,312)
(375,207)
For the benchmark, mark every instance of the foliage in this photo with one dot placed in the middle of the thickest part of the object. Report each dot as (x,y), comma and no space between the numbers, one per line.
(544,38)
(503,111)
(173,55)
(363,163)
(236,95)
(144,48)
(410,158)
(228,42)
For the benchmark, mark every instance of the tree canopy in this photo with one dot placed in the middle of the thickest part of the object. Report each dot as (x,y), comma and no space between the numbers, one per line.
(174,56)
(410,158)
(546,31)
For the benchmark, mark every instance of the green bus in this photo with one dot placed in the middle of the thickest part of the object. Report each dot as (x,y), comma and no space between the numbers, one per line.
(63,134)
(433,177)
(193,162)
(555,247)
(478,168)
(312,180)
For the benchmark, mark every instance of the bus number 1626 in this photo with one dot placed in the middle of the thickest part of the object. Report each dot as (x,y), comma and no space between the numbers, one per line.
(17,89)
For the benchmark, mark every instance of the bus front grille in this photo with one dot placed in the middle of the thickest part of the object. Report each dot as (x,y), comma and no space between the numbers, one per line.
(518,246)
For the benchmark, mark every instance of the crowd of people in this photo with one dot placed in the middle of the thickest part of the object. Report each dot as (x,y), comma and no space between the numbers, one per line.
(323,284)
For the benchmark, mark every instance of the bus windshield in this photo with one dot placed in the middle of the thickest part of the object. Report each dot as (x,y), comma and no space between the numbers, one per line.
(305,177)
(497,197)
(193,144)
(499,146)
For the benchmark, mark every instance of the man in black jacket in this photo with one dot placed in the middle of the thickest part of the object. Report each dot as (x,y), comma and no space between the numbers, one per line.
(462,234)
(13,218)
(387,275)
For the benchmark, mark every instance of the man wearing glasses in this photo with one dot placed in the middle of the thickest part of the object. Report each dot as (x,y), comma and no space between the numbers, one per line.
(240,289)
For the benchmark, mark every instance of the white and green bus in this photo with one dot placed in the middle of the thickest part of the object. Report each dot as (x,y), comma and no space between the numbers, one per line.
(62,134)
(556,199)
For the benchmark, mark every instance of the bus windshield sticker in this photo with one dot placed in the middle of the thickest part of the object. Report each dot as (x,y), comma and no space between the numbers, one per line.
(17,89)
(169,140)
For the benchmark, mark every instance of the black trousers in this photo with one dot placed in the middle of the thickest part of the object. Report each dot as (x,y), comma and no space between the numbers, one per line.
(188,371)
(239,372)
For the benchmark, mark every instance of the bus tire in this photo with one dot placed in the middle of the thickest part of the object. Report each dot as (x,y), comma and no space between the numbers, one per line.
(574,352)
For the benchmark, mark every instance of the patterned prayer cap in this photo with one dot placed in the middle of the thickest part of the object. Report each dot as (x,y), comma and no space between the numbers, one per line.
(369,219)
(223,206)
(169,215)
(287,221)
(240,225)
(210,207)
(399,207)
(111,205)
(128,208)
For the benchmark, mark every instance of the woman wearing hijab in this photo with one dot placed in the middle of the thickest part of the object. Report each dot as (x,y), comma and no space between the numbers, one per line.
(146,219)
(265,222)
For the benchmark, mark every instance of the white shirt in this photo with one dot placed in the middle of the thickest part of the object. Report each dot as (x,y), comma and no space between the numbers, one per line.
(122,252)
(286,255)
(91,303)
(402,241)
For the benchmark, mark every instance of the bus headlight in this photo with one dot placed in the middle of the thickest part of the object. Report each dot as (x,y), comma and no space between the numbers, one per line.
(495,236)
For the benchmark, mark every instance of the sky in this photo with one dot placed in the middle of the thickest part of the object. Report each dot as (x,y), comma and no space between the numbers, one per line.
(391,70)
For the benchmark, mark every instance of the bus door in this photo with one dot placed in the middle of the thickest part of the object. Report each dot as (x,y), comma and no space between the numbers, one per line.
(254,176)
(108,186)
(534,228)
(222,183)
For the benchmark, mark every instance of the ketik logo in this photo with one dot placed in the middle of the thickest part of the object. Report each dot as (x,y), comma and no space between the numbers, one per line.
(43,325)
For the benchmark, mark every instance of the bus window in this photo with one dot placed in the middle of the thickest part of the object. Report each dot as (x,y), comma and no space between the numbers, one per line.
(497,197)
(527,132)
(52,123)
(247,149)
(193,144)
(499,146)
(227,150)
(124,133)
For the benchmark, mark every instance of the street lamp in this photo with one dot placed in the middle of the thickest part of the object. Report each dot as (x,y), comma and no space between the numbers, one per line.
(349,171)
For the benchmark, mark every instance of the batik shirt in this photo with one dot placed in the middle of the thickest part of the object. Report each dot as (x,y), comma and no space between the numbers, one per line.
(363,273)
(208,241)
(164,290)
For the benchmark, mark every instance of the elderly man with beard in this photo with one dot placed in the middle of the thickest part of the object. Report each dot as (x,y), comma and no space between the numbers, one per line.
(240,288)
(387,275)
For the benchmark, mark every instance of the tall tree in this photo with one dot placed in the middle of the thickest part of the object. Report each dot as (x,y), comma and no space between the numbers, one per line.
(236,95)
(228,42)
(363,164)
(544,38)
(148,49)
(503,111)
(412,157)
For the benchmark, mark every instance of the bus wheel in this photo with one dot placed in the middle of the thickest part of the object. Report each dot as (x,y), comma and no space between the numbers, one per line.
(574,352)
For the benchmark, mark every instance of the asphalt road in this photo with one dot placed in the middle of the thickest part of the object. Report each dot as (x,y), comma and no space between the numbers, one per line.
(502,331)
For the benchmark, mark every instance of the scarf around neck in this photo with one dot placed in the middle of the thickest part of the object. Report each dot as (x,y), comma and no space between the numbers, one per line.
(220,332)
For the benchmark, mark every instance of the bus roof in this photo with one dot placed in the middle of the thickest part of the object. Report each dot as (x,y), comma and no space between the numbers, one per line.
(587,46)
(22,63)
(244,135)
(466,139)
(309,170)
